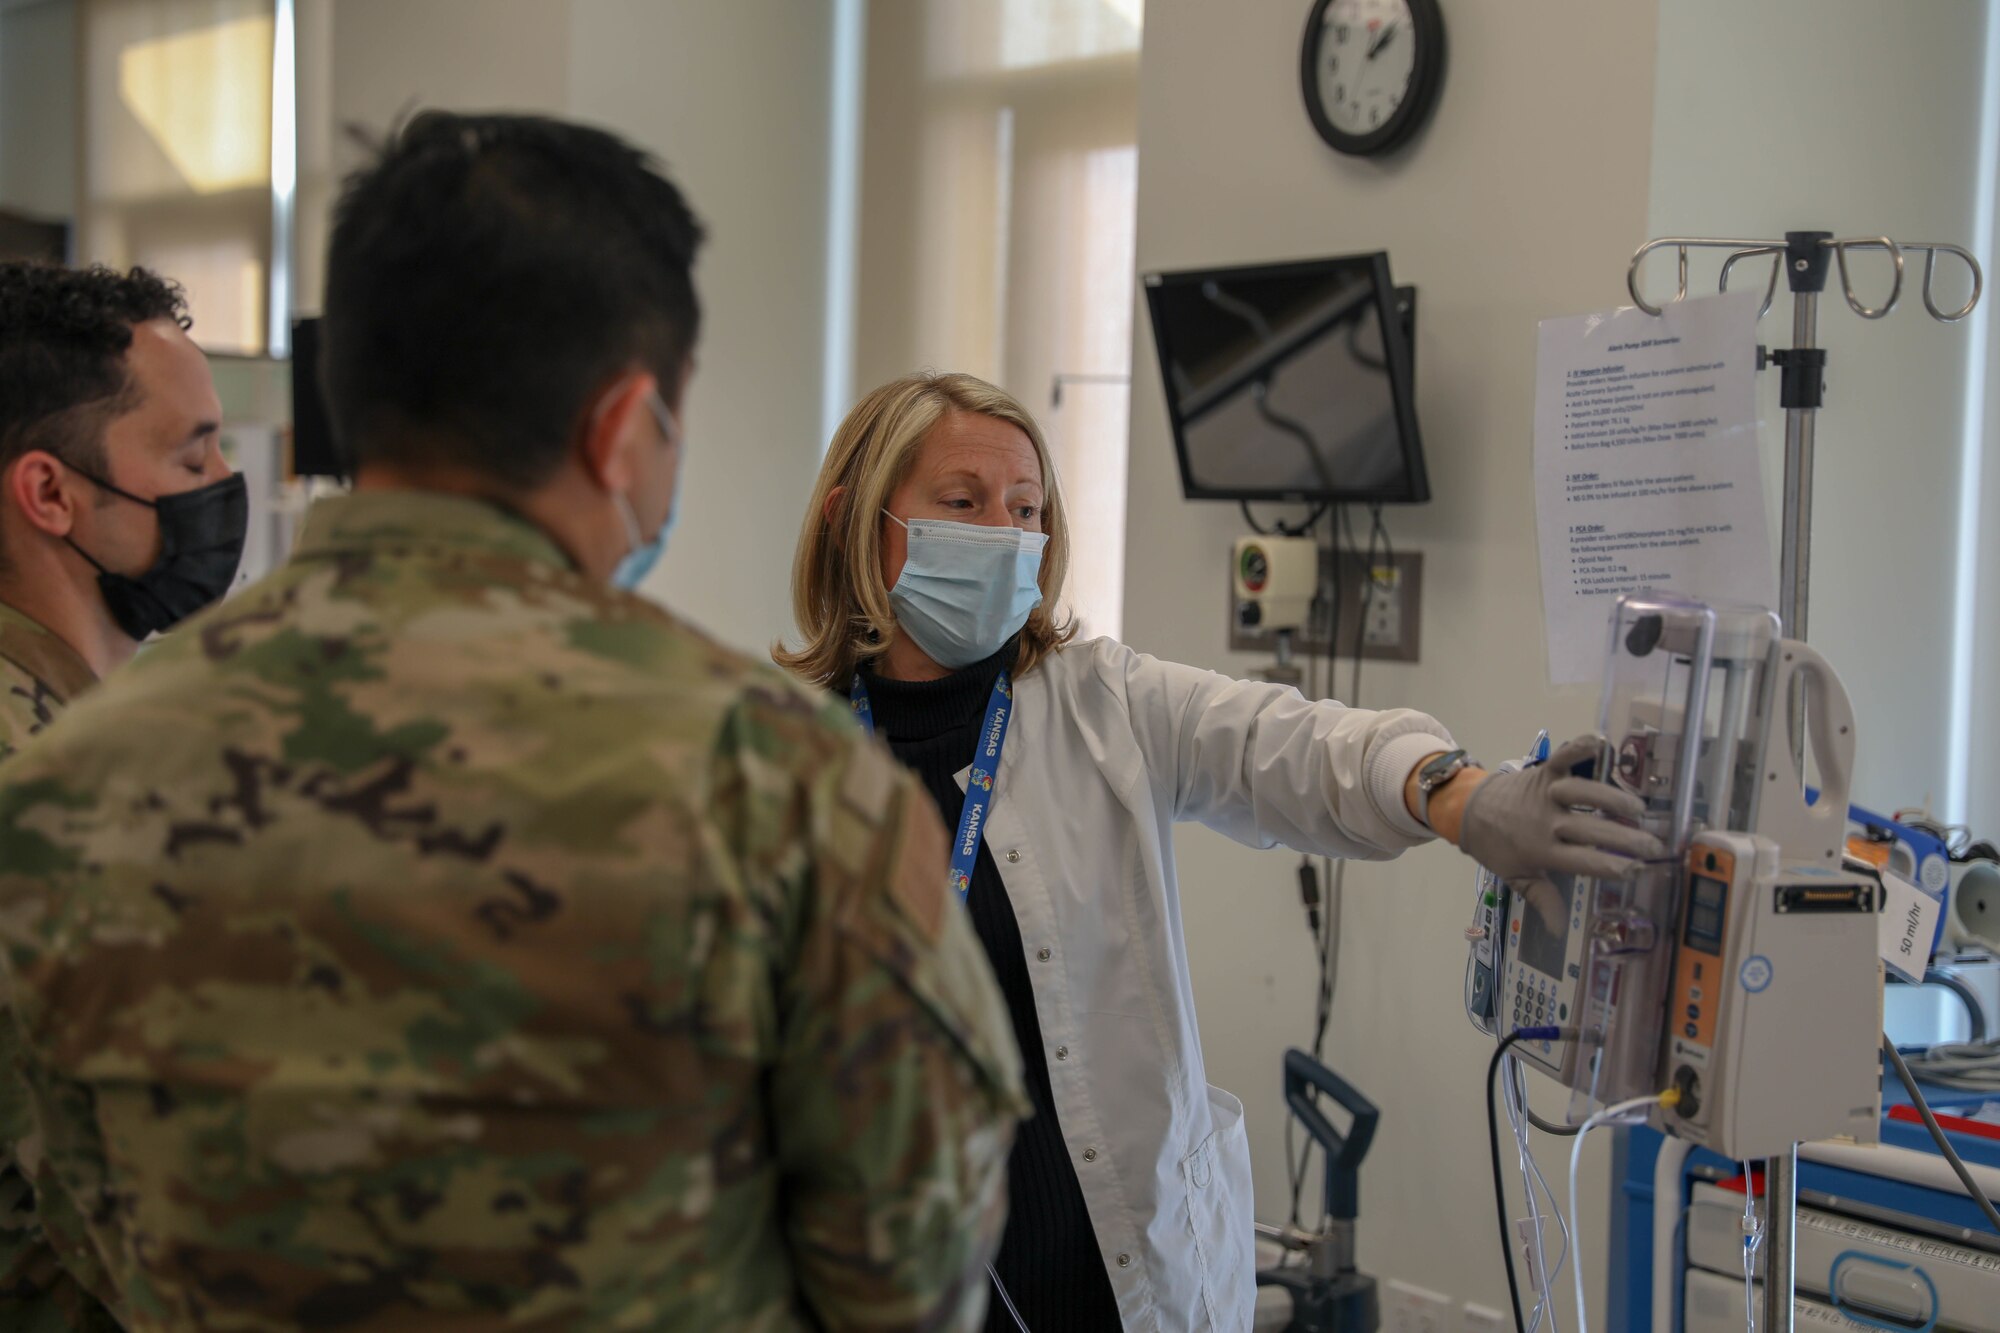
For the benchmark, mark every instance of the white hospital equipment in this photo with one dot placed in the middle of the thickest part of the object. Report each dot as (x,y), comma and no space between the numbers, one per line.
(1729,992)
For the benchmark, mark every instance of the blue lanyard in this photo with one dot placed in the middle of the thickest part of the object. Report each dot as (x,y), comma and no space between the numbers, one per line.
(979,789)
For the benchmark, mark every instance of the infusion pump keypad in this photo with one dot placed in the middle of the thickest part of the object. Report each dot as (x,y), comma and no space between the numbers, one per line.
(1540,996)
(1536,1004)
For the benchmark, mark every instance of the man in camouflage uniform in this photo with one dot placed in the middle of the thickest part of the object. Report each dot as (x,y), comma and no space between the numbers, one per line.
(437,936)
(106,408)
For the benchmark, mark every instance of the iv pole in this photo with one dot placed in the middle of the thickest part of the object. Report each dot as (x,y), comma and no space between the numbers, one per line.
(1803,257)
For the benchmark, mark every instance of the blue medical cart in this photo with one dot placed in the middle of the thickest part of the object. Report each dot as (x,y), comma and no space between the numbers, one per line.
(1636,1152)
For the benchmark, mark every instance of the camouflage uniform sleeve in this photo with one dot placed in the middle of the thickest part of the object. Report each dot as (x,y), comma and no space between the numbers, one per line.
(20,1232)
(898,1082)
(37,1293)
(18,719)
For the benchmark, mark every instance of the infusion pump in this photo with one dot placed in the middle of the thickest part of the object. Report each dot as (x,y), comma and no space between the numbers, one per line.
(1775,1012)
(1741,972)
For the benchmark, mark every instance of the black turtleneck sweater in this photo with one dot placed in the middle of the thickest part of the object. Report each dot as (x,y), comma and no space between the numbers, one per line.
(1049,1258)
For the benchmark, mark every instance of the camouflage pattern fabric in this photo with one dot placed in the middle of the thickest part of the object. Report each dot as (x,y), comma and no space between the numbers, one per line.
(431,937)
(39,675)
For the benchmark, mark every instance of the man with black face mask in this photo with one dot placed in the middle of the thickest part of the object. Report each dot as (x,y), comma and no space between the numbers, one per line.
(118,517)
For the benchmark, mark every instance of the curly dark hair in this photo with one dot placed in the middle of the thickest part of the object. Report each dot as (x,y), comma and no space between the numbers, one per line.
(63,337)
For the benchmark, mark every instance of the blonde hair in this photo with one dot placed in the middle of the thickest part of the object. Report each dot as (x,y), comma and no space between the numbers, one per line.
(838,599)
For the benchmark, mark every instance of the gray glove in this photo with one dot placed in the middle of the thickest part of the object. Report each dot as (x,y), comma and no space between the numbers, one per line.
(1525,826)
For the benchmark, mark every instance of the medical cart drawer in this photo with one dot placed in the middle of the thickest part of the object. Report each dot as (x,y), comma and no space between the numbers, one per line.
(1712,1303)
(1889,1273)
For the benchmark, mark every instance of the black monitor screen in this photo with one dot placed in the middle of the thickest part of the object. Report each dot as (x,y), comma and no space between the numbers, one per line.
(39,240)
(1290,381)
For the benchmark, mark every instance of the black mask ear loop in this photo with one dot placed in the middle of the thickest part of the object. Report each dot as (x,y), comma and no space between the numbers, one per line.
(90,559)
(102,485)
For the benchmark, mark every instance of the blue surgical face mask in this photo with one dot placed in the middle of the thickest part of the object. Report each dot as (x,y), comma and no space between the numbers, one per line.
(642,554)
(965,589)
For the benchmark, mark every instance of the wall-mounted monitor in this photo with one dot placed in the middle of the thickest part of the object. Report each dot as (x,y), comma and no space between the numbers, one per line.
(314,453)
(37,240)
(1291,381)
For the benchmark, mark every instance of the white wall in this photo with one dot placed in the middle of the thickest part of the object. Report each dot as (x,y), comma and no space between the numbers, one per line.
(1523,199)
(1869,126)
(733,99)
(393,57)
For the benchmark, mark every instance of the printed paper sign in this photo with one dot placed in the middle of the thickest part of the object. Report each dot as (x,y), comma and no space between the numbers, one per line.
(1646,472)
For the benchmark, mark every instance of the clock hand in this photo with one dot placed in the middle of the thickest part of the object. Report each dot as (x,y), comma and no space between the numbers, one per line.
(1375,47)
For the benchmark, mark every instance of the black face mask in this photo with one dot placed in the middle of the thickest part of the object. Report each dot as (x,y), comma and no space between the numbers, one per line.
(201,543)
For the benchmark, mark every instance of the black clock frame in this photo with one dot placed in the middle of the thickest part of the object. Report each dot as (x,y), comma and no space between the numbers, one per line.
(1426,82)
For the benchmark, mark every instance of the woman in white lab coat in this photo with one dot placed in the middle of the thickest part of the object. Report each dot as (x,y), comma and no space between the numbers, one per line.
(926,584)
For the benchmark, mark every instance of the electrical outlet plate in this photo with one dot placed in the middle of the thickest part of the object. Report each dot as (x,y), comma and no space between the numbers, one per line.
(1481,1319)
(1411,1309)
(1383,609)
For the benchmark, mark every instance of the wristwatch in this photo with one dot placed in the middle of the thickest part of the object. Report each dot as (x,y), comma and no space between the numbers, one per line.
(1435,774)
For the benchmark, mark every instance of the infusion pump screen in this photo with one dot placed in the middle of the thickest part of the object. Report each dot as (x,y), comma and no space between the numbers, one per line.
(1541,948)
(1704,919)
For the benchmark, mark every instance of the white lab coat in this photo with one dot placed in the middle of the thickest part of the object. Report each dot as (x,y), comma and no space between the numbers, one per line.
(1106,750)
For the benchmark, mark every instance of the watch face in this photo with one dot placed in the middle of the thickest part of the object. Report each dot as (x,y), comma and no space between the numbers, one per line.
(1440,769)
(1367,54)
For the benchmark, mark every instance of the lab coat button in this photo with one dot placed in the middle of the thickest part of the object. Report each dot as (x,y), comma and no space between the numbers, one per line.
(1062,1052)
(1013,855)
(1090,1154)
(1124,1261)
(1042,954)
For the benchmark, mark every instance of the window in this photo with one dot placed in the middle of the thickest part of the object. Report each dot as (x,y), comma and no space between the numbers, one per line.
(996,220)
(176,130)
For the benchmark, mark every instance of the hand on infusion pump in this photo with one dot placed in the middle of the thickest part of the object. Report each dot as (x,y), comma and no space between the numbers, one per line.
(1545,820)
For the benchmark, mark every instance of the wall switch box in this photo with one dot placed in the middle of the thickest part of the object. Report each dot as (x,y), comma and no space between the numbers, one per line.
(1380,606)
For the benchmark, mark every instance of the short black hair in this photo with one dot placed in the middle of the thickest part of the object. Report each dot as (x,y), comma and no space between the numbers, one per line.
(486,276)
(64,333)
